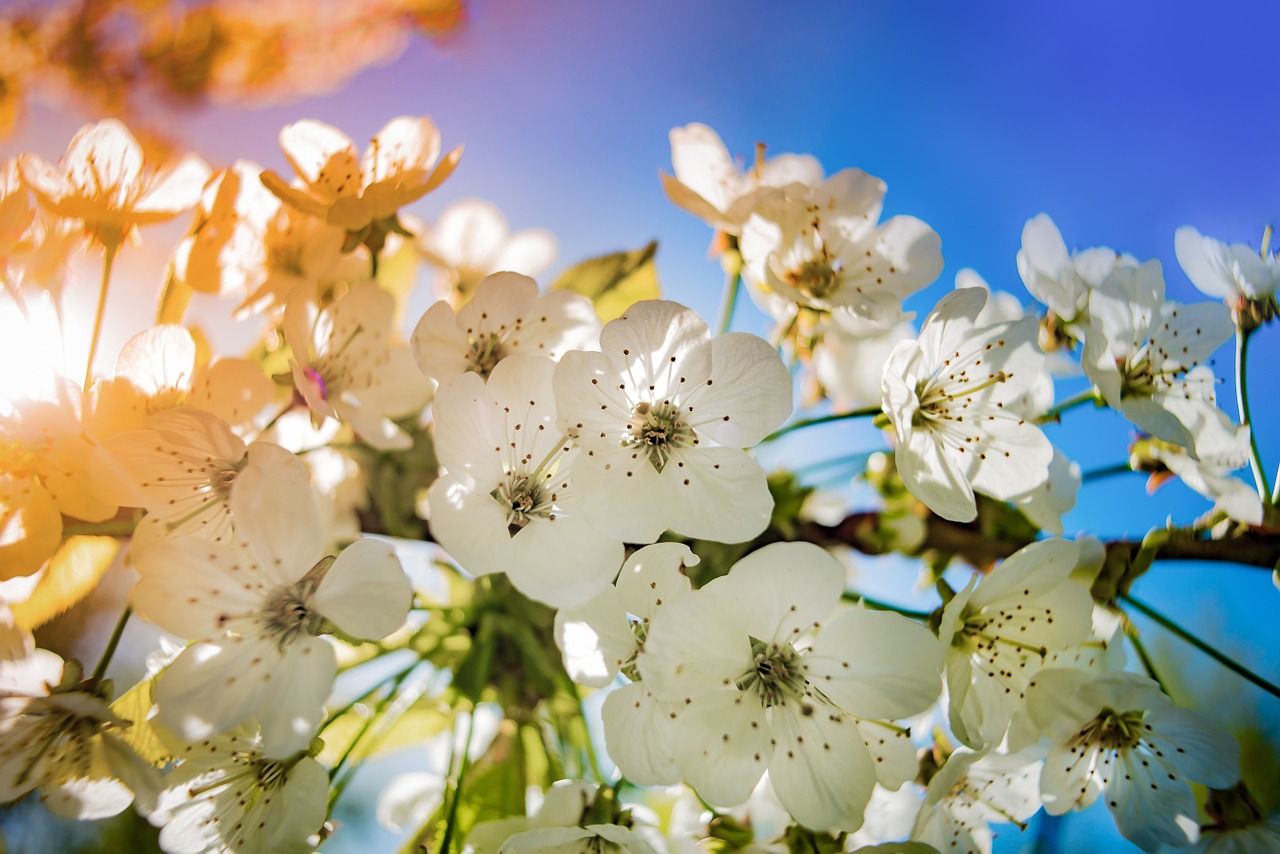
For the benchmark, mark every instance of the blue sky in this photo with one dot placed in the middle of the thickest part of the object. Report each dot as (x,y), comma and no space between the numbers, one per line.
(1123,121)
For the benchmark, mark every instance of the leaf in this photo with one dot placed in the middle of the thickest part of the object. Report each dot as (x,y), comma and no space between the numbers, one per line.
(137,705)
(614,282)
(412,729)
(71,575)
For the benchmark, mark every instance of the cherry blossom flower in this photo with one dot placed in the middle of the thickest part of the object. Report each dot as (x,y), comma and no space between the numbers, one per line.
(471,240)
(102,181)
(999,631)
(505,316)
(346,365)
(508,500)
(661,415)
(400,166)
(257,607)
(1145,355)
(1221,451)
(50,467)
(187,464)
(598,640)
(156,371)
(1117,733)
(228,795)
(821,247)
(1059,279)
(1232,273)
(711,186)
(754,691)
(947,397)
(559,825)
(59,735)
(971,790)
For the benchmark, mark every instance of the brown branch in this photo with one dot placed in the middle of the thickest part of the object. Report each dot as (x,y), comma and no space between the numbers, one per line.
(862,531)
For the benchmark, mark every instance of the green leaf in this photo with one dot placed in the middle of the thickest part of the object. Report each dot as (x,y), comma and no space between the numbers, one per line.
(615,281)
(136,706)
(412,729)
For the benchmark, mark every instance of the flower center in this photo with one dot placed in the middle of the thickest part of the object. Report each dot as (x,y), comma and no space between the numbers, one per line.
(1111,730)
(776,673)
(658,430)
(818,278)
(524,499)
(485,353)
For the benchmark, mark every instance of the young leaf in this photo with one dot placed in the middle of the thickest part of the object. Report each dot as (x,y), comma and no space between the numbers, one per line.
(614,282)
(71,575)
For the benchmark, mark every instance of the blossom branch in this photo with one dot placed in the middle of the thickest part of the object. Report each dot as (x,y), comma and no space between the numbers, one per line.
(866,412)
(1054,415)
(969,541)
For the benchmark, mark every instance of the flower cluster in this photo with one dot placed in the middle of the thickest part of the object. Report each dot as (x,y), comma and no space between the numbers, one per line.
(596,515)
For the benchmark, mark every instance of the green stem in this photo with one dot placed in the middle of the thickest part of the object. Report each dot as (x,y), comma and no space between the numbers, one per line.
(112,643)
(457,786)
(373,265)
(398,675)
(592,761)
(868,412)
(113,528)
(108,258)
(880,605)
(1105,472)
(1055,414)
(732,284)
(288,407)
(1208,650)
(1147,664)
(1242,399)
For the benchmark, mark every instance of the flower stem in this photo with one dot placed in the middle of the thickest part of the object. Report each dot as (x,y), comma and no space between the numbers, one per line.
(1242,399)
(451,825)
(867,412)
(586,736)
(732,284)
(1105,472)
(1055,414)
(879,605)
(341,785)
(114,641)
(1208,650)
(108,258)
(112,528)
(1147,664)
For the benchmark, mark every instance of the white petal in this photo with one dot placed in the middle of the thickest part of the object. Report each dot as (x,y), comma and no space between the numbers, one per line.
(892,663)
(212,687)
(722,746)
(293,705)
(640,733)
(365,592)
(820,767)
(595,639)
(748,395)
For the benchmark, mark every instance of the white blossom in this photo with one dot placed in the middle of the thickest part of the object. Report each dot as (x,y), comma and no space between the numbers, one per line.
(1231,273)
(471,240)
(346,365)
(999,631)
(228,796)
(972,790)
(1146,355)
(714,188)
(1059,279)
(762,680)
(821,247)
(256,607)
(508,500)
(948,394)
(661,416)
(1117,734)
(505,316)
